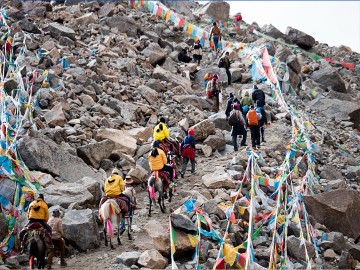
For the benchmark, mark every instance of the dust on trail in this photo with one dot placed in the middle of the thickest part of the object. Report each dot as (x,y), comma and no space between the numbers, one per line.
(104,257)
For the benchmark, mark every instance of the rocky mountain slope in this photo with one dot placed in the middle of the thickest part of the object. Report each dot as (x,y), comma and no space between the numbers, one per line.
(104,73)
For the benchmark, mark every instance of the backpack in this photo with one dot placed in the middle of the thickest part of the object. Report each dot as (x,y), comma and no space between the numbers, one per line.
(209,91)
(252,118)
(233,118)
(245,108)
(221,63)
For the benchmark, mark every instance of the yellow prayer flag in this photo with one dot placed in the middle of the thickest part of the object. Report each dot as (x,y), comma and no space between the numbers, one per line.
(241,209)
(189,29)
(295,219)
(167,16)
(281,219)
(193,240)
(229,254)
(173,247)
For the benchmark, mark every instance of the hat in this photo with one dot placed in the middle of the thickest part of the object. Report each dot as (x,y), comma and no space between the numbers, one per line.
(162,119)
(236,106)
(128,180)
(231,95)
(155,144)
(191,132)
(115,171)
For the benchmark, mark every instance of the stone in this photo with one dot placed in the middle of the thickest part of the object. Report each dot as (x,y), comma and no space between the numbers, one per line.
(338,210)
(293,63)
(216,10)
(273,31)
(329,172)
(330,255)
(125,24)
(297,250)
(94,153)
(203,129)
(45,155)
(152,259)
(336,184)
(57,30)
(10,84)
(353,172)
(346,261)
(122,143)
(215,142)
(211,207)
(218,179)
(28,26)
(207,150)
(184,124)
(150,95)
(155,54)
(339,109)
(200,103)
(138,174)
(55,117)
(283,53)
(300,38)
(219,119)
(165,75)
(338,241)
(329,77)
(128,258)
(183,222)
(106,10)
(86,19)
(354,250)
(3,229)
(80,229)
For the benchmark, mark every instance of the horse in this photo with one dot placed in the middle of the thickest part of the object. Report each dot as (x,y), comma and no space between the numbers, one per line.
(111,215)
(156,183)
(37,248)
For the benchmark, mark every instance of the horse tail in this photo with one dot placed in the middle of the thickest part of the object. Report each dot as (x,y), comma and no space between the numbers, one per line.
(152,192)
(109,228)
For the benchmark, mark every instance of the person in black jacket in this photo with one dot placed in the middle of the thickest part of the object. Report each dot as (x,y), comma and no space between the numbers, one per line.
(183,56)
(258,95)
(238,128)
(263,121)
(227,67)
(229,105)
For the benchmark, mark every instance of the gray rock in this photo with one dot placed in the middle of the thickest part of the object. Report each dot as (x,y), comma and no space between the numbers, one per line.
(211,207)
(353,172)
(10,84)
(273,31)
(152,259)
(106,10)
(165,75)
(346,261)
(219,119)
(86,19)
(155,54)
(183,222)
(94,153)
(46,156)
(296,250)
(216,10)
(80,229)
(218,179)
(57,30)
(338,210)
(125,24)
(203,129)
(298,37)
(215,142)
(201,103)
(55,117)
(330,172)
(283,52)
(149,94)
(128,258)
(329,77)
(338,239)
(28,26)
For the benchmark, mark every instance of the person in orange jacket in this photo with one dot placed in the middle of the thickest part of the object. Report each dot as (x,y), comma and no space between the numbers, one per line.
(158,160)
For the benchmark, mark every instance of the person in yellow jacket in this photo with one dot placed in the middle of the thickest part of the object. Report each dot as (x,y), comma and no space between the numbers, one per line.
(158,160)
(114,186)
(39,212)
(161,131)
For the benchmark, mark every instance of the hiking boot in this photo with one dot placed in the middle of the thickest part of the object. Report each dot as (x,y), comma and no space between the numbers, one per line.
(122,231)
(182,175)
(165,195)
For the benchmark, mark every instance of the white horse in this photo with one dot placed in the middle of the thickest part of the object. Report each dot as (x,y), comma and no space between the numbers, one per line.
(110,214)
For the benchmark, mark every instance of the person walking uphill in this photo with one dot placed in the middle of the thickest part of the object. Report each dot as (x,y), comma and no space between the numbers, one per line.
(262,121)
(237,121)
(258,95)
(227,67)
(213,91)
(55,223)
(216,34)
(253,123)
(188,152)
(197,51)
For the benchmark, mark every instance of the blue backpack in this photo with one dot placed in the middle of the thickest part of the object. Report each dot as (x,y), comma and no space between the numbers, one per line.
(245,108)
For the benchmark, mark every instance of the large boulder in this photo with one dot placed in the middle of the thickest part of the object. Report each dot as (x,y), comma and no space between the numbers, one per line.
(94,153)
(215,142)
(203,129)
(273,31)
(183,222)
(329,77)
(55,117)
(122,143)
(300,38)
(58,30)
(81,229)
(218,179)
(155,54)
(216,10)
(165,75)
(125,24)
(219,119)
(341,110)
(338,210)
(152,259)
(141,134)
(297,250)
(138,174)
(198,102)
(86,19)
(45,155)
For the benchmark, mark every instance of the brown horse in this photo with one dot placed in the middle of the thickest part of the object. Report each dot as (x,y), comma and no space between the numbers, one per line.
(36,248)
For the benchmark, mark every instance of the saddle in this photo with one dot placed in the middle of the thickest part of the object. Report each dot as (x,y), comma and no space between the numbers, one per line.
(37,228)
(122,200)
(169,145)
(164,176)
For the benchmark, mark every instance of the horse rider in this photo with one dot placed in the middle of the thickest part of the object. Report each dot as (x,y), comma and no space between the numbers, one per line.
(38,212)
(161,131)
(130,192)
(113,188)
(158,160)
(55,223)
